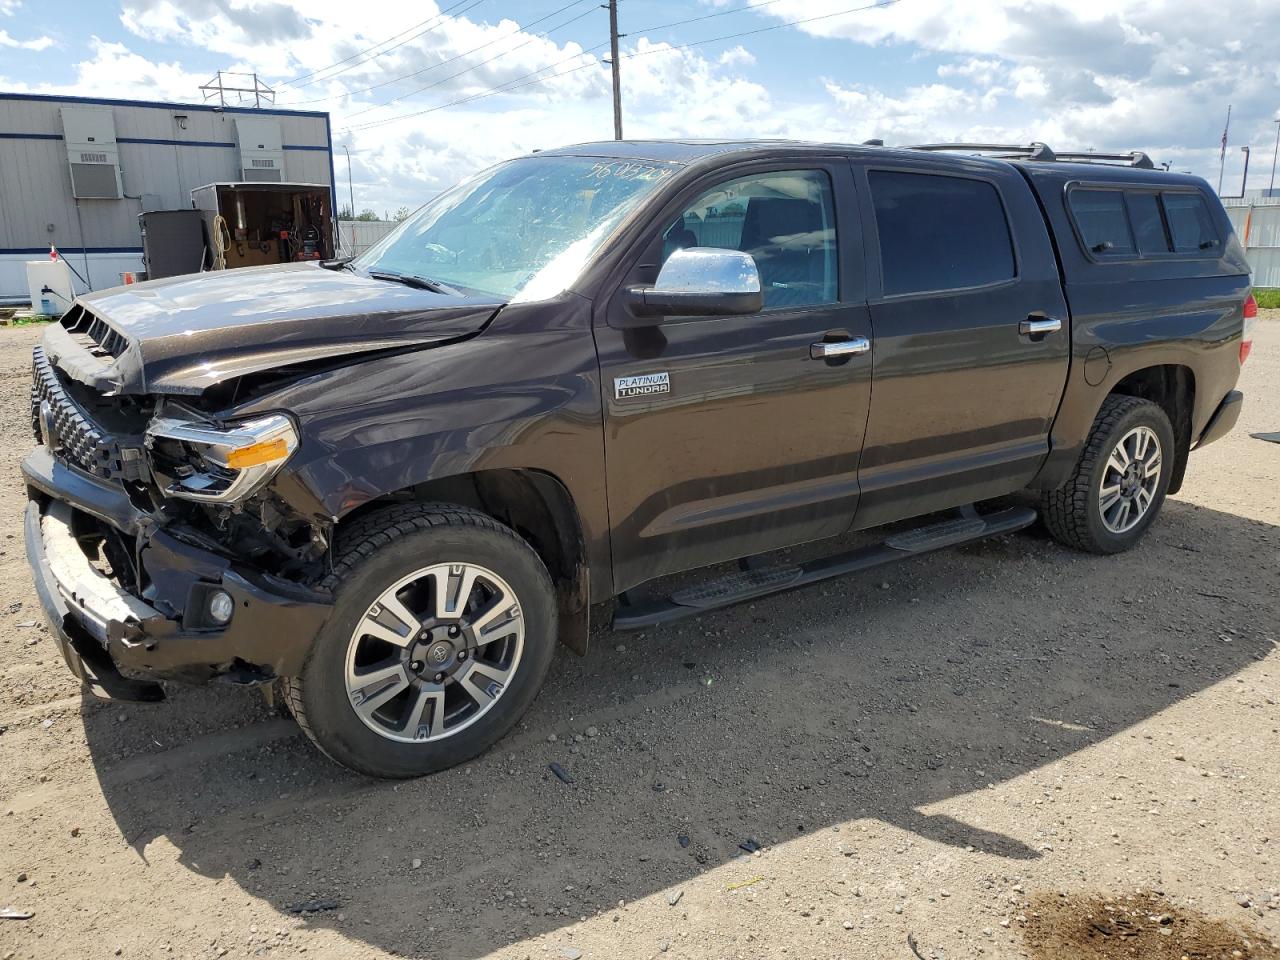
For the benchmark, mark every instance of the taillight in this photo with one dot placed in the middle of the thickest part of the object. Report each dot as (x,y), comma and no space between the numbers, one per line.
(1250,318)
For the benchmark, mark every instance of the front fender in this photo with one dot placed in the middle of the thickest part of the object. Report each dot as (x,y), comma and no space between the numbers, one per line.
(525,394)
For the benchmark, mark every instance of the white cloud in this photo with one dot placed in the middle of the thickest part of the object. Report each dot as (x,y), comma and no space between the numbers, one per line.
(1111,74)
(738,56)
(38,44)
(929,113)
(115,71)
(1029,83)
(1118,74)
(241,28)
(448,55)
(9,7)
(982,71)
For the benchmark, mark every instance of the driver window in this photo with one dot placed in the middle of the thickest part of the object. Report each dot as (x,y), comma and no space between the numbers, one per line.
(785,220)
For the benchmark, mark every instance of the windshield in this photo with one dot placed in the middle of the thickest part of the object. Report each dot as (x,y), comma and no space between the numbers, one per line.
(522,230)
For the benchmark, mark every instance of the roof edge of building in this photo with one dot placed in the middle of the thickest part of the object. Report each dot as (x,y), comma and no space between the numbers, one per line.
(162,104)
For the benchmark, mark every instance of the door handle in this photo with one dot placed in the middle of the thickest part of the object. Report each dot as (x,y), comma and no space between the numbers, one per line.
(1038,326)
(828,350)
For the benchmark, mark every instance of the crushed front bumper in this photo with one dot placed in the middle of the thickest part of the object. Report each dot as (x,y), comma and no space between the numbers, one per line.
(110,638)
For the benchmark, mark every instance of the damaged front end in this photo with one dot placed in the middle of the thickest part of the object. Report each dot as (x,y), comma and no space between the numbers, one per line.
(160,545)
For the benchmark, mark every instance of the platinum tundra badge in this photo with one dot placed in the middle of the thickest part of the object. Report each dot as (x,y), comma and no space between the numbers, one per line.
(642,385)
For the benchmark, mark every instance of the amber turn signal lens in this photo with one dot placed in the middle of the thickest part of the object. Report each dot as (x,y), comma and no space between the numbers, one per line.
(256,454)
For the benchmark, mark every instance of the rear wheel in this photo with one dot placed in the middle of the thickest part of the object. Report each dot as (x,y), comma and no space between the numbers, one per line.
(1119,484)
(443,630)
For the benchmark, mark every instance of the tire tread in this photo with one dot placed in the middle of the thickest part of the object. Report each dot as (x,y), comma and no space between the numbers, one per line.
(1066,510)
(357,544)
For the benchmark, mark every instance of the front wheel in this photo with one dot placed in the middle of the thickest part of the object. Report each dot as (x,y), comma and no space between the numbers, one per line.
(444,627)
(1119,484)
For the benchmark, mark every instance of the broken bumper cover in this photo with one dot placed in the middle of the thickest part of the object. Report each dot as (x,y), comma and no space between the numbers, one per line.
(108,635)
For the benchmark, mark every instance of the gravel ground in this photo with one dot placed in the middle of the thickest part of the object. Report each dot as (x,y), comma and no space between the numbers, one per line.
(964,756)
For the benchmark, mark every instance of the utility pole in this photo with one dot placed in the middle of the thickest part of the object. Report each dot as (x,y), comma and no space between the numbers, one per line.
(351,191)
(1244,181)
(1276,153)
(612,6)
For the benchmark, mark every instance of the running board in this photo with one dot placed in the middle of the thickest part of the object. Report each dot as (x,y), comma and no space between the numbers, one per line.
(750,584)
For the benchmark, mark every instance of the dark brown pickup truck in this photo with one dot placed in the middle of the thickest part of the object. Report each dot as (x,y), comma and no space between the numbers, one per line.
(387,486)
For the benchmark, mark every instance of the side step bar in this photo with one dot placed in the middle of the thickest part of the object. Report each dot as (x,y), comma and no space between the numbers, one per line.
(753,583)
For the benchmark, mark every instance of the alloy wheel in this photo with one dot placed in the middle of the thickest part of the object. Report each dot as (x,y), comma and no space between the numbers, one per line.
(1130,480)
(435,652)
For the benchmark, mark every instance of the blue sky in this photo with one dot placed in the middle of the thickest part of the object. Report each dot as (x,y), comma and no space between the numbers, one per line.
(1120,74)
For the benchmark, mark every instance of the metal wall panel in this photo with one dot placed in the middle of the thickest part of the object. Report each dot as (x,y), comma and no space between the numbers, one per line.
(197,147)
(1257,225)
(357,236)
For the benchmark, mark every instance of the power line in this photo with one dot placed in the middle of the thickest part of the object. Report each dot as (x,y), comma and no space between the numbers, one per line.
(471,4)
(438,17)
(709,16)
(484,94)
(776,26)
(515,85)
(497,56)
(455,57)
(466,53)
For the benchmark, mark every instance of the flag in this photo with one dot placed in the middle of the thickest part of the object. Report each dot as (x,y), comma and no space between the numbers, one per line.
(1225,130)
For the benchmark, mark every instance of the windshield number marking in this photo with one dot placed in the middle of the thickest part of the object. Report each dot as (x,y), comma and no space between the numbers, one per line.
(628,170)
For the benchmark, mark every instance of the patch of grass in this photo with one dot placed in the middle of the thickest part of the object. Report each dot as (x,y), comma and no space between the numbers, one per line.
(1268,299)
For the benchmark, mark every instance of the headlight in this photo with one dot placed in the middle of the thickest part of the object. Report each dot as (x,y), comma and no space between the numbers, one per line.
(219,466)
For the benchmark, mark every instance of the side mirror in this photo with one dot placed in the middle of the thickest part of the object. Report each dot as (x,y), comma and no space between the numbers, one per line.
(701,282)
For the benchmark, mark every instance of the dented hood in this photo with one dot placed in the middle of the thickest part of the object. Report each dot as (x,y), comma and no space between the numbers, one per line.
(185,334)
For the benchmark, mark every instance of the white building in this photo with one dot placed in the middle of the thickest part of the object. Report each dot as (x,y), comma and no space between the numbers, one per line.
(75,172)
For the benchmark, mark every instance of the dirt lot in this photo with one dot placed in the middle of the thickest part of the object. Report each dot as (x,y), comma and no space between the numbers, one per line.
(962,757)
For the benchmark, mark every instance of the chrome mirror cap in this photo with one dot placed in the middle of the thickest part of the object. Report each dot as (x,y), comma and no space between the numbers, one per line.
(709,271)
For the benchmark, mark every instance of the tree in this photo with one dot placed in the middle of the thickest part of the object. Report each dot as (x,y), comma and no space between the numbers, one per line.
(367,214)
(401,215)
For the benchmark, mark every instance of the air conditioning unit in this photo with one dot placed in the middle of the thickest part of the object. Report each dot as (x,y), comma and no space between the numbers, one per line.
(90,137)
(261,149)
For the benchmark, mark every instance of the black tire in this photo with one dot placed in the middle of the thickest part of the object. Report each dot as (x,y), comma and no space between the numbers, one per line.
(375,553)
(1073,513)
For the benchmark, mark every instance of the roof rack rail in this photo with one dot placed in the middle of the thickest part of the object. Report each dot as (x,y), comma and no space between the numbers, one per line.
(1134,158)
(1040,151)
(1031,151)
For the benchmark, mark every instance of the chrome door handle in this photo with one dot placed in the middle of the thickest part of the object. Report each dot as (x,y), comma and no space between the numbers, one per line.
(1032,326)
(825,350)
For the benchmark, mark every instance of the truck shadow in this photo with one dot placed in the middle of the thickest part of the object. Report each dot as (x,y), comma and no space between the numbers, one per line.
(865,700)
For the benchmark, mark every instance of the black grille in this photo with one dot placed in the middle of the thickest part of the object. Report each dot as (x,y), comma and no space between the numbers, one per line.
(94,334)
(75,435)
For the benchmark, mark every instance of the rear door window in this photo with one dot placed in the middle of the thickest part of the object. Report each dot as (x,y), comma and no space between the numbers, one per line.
(1103,223)
(1190,223)
(939,233)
